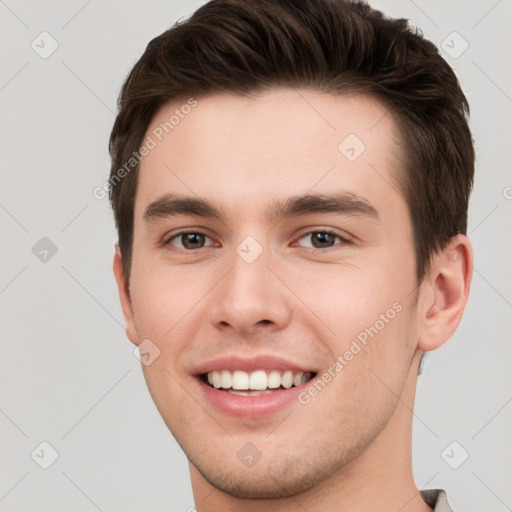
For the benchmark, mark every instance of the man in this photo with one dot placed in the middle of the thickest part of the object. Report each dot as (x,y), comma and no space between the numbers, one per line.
(290,184)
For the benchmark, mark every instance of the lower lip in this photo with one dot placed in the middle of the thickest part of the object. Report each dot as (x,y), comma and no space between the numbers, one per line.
(251,406)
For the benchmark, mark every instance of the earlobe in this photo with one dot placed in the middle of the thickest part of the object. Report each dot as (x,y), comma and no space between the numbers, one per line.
(446,292)
(124,297)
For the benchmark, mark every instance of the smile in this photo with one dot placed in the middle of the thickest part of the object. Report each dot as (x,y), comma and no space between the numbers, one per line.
(256,386)
(256,383)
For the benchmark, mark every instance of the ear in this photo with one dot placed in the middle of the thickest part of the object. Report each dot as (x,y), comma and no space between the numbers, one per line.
(124,296)
(445,293)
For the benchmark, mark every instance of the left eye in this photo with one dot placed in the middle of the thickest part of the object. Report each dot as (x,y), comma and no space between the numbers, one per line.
(322,239)
(189,240)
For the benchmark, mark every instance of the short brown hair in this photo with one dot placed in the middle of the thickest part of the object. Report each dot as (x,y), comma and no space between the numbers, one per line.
(332,46)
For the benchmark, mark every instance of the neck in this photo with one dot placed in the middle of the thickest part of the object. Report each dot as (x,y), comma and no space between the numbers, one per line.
(380,478)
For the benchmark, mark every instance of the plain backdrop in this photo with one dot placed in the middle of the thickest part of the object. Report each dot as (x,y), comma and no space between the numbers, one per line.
(68,374)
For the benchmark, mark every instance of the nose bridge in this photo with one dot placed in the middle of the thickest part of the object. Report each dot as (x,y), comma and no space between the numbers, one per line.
(249,294)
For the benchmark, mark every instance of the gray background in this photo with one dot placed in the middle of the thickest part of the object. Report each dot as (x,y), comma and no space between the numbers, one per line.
(68,373)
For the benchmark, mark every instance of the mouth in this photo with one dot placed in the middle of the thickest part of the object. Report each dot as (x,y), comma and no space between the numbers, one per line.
(255,383)
(251,387)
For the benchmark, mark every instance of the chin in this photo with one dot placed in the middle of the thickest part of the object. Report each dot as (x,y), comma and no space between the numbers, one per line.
(263,482)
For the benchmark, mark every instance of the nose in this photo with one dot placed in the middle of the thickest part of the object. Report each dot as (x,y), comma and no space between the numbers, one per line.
(250,298)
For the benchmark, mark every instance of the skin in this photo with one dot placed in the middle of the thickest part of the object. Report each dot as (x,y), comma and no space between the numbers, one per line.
(349,448)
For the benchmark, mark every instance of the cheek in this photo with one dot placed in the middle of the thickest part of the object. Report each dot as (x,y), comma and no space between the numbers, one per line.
(370,364)
(352,299)
(162,300)
(370,319)
(172,402)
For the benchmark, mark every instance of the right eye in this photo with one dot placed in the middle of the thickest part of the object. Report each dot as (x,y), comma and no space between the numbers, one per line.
(189,240)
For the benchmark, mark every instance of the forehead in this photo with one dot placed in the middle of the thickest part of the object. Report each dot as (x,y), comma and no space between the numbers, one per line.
(246,151)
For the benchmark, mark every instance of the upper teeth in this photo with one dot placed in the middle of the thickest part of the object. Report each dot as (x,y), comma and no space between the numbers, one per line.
(259,379)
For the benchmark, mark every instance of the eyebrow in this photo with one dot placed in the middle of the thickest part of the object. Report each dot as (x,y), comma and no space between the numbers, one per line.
(170,205)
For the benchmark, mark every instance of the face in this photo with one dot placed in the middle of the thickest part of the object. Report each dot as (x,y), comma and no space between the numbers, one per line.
(272,251)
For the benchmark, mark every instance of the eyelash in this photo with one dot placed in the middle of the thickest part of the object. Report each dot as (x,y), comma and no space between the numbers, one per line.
(344,241)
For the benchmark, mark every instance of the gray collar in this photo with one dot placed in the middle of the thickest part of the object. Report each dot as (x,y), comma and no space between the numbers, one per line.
(436,498)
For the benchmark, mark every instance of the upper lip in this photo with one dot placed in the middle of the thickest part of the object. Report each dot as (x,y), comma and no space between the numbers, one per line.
(249,364)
